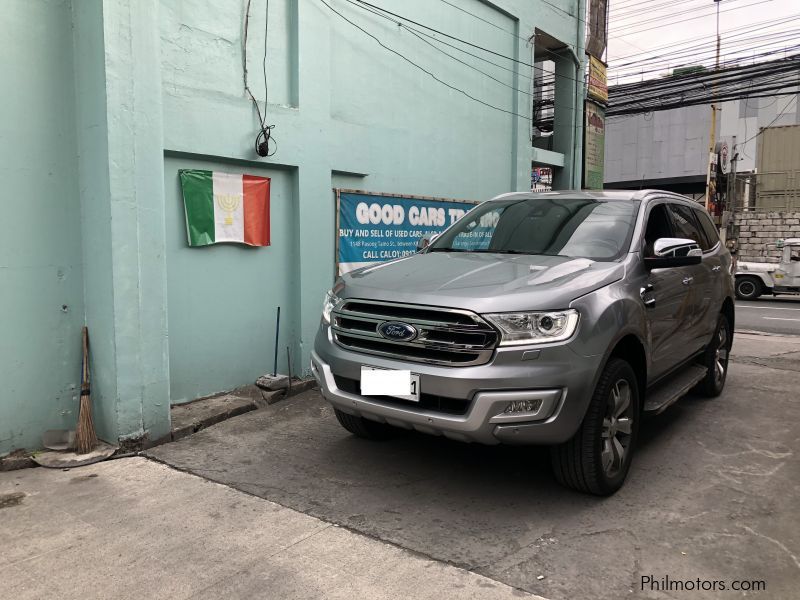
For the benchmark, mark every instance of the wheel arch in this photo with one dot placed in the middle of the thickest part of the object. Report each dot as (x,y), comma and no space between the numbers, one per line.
(630,348)
(730,313)
(766,281)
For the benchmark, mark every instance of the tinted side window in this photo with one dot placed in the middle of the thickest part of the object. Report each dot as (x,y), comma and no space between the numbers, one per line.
(658,226)
(708,228)
(686,225)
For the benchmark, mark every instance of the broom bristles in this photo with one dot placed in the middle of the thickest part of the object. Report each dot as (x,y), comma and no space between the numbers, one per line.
(85,436)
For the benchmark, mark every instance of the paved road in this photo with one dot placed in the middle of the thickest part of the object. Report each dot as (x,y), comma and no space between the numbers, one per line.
(713,492)
(771,315)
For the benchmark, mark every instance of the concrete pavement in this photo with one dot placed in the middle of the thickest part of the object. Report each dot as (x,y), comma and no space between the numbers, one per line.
(712,494)
(308,511)
(134,528)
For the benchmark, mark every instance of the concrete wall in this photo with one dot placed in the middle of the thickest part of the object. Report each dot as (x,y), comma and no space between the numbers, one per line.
(223,298)
(41,284)
(347,113)
(674,143)
(658,145)
(758,228)
(104,101)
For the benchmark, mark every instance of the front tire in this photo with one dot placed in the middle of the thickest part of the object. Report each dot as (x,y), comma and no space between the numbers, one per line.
(597,458)
(715,359)
(748,287)
(364,428)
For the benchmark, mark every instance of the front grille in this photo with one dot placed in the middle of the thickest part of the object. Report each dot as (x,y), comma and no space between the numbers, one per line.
(431,402)
(445,336)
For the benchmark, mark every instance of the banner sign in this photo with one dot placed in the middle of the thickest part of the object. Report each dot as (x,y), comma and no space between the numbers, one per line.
(594,150)
(541,179)
(373,228)
(598,81)
(597,36)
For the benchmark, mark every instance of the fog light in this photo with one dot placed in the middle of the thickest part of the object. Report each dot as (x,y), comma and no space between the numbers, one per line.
(518,411)
(523,406)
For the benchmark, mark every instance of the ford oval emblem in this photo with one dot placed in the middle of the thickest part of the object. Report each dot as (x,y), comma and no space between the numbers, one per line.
(397,331)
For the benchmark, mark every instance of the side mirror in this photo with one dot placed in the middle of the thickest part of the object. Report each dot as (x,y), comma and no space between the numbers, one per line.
(425,241)
(674,252)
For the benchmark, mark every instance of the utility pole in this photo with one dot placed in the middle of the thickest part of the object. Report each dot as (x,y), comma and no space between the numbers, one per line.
(730,195)
(713,137)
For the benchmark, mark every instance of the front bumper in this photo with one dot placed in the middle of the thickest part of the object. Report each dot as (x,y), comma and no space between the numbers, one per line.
(561,379)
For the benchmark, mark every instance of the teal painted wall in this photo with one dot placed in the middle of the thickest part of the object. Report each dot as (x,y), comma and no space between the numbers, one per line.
(347,113)
(41,287)
(223,298)
(104,101)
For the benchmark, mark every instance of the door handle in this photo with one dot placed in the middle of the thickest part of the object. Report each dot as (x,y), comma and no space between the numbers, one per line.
(649,302)
(716,268)
(687,280)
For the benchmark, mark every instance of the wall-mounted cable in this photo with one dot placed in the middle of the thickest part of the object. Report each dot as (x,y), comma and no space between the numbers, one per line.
(265,144)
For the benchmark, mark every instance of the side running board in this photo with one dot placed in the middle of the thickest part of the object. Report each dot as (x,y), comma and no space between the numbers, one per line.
(673,388)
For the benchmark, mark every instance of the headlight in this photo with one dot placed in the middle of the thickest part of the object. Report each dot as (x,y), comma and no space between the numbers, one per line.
(331,300)
(520,329)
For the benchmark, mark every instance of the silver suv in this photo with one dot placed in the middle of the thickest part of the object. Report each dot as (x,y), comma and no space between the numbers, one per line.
(551,318)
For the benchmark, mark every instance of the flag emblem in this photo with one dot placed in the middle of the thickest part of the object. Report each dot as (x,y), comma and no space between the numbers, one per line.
(225,207)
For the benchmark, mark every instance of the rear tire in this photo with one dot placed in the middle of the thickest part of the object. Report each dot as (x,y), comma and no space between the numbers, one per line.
(748,287)
(597,458)
(364,428)
(715,359)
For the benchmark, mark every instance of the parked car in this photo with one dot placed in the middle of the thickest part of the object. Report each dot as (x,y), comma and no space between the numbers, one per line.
(754,279)
(551,318)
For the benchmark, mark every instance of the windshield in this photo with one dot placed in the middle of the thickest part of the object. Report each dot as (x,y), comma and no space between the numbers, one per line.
(574,227)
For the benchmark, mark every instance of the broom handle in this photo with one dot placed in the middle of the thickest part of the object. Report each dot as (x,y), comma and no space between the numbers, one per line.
(85,374)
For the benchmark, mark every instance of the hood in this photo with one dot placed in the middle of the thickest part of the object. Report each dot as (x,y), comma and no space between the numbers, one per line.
(482,282)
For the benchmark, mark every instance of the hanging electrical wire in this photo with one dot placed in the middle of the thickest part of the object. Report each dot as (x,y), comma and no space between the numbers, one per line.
(421,68)
(262,143)
(768,78)
(780,114)
(727,34)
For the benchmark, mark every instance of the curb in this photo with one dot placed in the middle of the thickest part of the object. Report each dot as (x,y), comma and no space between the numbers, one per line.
(765,333)
(257,399)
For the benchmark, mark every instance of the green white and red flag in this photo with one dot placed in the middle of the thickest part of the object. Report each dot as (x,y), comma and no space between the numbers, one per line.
(225,207)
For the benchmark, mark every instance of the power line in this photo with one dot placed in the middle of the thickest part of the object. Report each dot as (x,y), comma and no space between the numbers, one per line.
(544,83)
(421,68)
(487,21)
(702,49)
(650,8)
(437,40)
(638,31)
(749,27)
(679,98)
(779,115)
(362,4)
(698,57)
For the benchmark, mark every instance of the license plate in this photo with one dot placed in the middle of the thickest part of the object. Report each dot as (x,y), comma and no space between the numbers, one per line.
(389,382)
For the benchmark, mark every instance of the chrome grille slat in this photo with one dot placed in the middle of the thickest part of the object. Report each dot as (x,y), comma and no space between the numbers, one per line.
(460,338)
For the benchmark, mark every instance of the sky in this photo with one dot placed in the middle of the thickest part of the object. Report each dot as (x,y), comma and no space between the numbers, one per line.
(638,28)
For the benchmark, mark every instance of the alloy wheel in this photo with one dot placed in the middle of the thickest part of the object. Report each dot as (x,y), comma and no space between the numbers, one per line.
(721,354)
(617,428)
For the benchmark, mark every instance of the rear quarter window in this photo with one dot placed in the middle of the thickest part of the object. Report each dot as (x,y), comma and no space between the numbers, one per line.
(708,228)
(686,224)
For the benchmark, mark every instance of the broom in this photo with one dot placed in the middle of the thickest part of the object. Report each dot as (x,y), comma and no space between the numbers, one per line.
(85,437)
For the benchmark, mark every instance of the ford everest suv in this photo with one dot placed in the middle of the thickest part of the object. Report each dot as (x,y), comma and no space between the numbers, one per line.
(550,318)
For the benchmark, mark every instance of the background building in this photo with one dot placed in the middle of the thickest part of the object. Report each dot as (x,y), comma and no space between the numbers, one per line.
(668,149)
(103,103)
